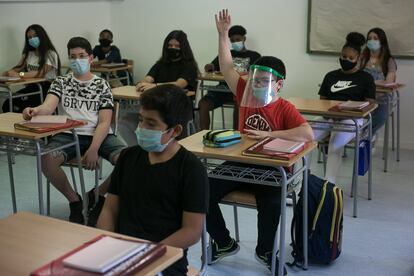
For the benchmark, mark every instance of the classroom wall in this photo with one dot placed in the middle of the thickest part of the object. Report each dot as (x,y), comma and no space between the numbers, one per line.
(274,27)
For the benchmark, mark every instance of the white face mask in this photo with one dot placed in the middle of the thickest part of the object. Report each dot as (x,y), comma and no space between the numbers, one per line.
(237,46)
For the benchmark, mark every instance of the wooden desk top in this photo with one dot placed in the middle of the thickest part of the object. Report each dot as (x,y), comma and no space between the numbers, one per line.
(22,81)
(321,107)
(130,93)
(194,143)
(28,241)
(211,76)
(384,89)
(101,69)
(7,121)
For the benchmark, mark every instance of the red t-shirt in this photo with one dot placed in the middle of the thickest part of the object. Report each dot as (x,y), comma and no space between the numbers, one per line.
(279,115)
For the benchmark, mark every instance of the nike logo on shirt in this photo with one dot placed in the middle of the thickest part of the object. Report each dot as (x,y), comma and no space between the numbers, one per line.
(341,85)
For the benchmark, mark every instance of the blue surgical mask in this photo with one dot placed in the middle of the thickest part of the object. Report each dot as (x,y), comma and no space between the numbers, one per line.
(79,66)
(237,46)
(373,45)
(34,42)
(150,140)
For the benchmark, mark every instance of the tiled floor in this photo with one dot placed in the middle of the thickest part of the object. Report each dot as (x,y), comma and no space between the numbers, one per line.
(379,242)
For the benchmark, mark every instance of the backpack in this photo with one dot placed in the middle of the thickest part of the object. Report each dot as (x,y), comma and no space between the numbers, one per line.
(325,217)
(221,138)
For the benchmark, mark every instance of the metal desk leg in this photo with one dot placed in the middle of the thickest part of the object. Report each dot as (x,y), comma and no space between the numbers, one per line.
(204,254)
(355,171)
(370,157)
(282,227)
(10,99)
(386,134)
(398,125)
(13,193)
(41,92)
(81,180)
(39,177)
(392,131)
(305,212)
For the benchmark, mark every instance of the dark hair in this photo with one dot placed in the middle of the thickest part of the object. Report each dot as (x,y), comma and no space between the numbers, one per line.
(355,41)
(385,53)
(107,31)
(171,102)
(237,30)
(186,52)
(274,63)
(79,42)
(45,46)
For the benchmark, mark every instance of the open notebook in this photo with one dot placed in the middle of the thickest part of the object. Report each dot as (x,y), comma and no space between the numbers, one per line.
(353,105)
(275,148)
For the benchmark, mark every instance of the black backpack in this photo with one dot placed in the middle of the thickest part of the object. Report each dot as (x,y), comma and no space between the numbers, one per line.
(325,217)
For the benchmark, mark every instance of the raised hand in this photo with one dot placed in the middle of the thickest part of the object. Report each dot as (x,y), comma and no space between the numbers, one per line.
(223,21)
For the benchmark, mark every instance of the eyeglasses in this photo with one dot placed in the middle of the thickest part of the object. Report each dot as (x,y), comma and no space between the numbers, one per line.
(262,82)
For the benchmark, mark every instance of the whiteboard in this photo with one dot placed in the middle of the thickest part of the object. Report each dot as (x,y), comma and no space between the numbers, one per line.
(329,21)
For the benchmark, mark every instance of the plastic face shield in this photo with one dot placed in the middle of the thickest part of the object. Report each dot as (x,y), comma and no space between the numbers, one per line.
(261,87)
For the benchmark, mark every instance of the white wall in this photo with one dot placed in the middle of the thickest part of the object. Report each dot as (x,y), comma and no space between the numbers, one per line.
(274,27)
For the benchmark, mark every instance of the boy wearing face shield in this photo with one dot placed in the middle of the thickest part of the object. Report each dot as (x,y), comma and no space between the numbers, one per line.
(158,189)
(242,59)
(262,114)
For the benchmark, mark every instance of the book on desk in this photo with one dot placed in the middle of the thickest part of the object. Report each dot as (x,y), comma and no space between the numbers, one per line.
(7,78)
(352,106)
(274,148)
(104,255)
(46,123)
(113,65)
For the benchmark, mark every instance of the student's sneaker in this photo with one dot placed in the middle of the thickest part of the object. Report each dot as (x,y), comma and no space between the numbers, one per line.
(218,253)
(266,260)
(76,209)
(95,209)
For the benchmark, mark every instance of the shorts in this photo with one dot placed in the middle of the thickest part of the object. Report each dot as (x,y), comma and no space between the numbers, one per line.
(109,148)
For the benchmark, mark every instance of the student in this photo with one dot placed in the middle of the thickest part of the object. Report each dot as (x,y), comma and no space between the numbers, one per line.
(347,83)
(376,59)
(107,53)
(39,60)
(242,59)
(158,189)
(263,113)
(82,96)
(176,66)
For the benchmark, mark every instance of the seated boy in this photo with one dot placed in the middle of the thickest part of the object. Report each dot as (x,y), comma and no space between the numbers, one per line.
(82,96)
(158,189)
(262,113)
(242,59)
(107,53)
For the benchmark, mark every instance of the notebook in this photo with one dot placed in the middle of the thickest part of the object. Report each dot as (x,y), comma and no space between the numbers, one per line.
(112,65)
(145,254)
(258,150)
(6,78)
(57,119)
(46,127)
(104,254)
(353,105)
(282,145)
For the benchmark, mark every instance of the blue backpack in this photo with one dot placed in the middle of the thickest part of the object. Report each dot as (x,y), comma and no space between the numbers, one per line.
(325,218)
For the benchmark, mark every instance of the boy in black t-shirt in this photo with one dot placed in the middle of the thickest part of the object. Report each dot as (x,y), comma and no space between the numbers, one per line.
(242,59)
(107,53)
(158,189)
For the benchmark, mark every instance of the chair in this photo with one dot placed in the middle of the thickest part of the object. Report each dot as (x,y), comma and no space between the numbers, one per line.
(72,163)
(130,71)
(226,105)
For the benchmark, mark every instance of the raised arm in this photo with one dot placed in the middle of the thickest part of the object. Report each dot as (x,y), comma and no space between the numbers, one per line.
(223,23)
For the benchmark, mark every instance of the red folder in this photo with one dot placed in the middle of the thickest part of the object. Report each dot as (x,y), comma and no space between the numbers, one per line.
(46,127)
(257,150)
(131,266)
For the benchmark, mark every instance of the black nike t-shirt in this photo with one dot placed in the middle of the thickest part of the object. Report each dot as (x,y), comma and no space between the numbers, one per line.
(339,86)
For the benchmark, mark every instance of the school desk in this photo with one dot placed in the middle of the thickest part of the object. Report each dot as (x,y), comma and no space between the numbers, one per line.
(279,177)
(322,108)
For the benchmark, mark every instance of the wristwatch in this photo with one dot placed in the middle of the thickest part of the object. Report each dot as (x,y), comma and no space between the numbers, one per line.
(21,74)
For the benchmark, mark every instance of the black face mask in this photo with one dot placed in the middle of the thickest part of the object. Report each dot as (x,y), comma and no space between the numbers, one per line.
(173,53)
(104,42)
(347,65)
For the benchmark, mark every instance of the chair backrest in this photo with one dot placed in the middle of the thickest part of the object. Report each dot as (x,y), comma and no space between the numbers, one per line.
(130,71)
